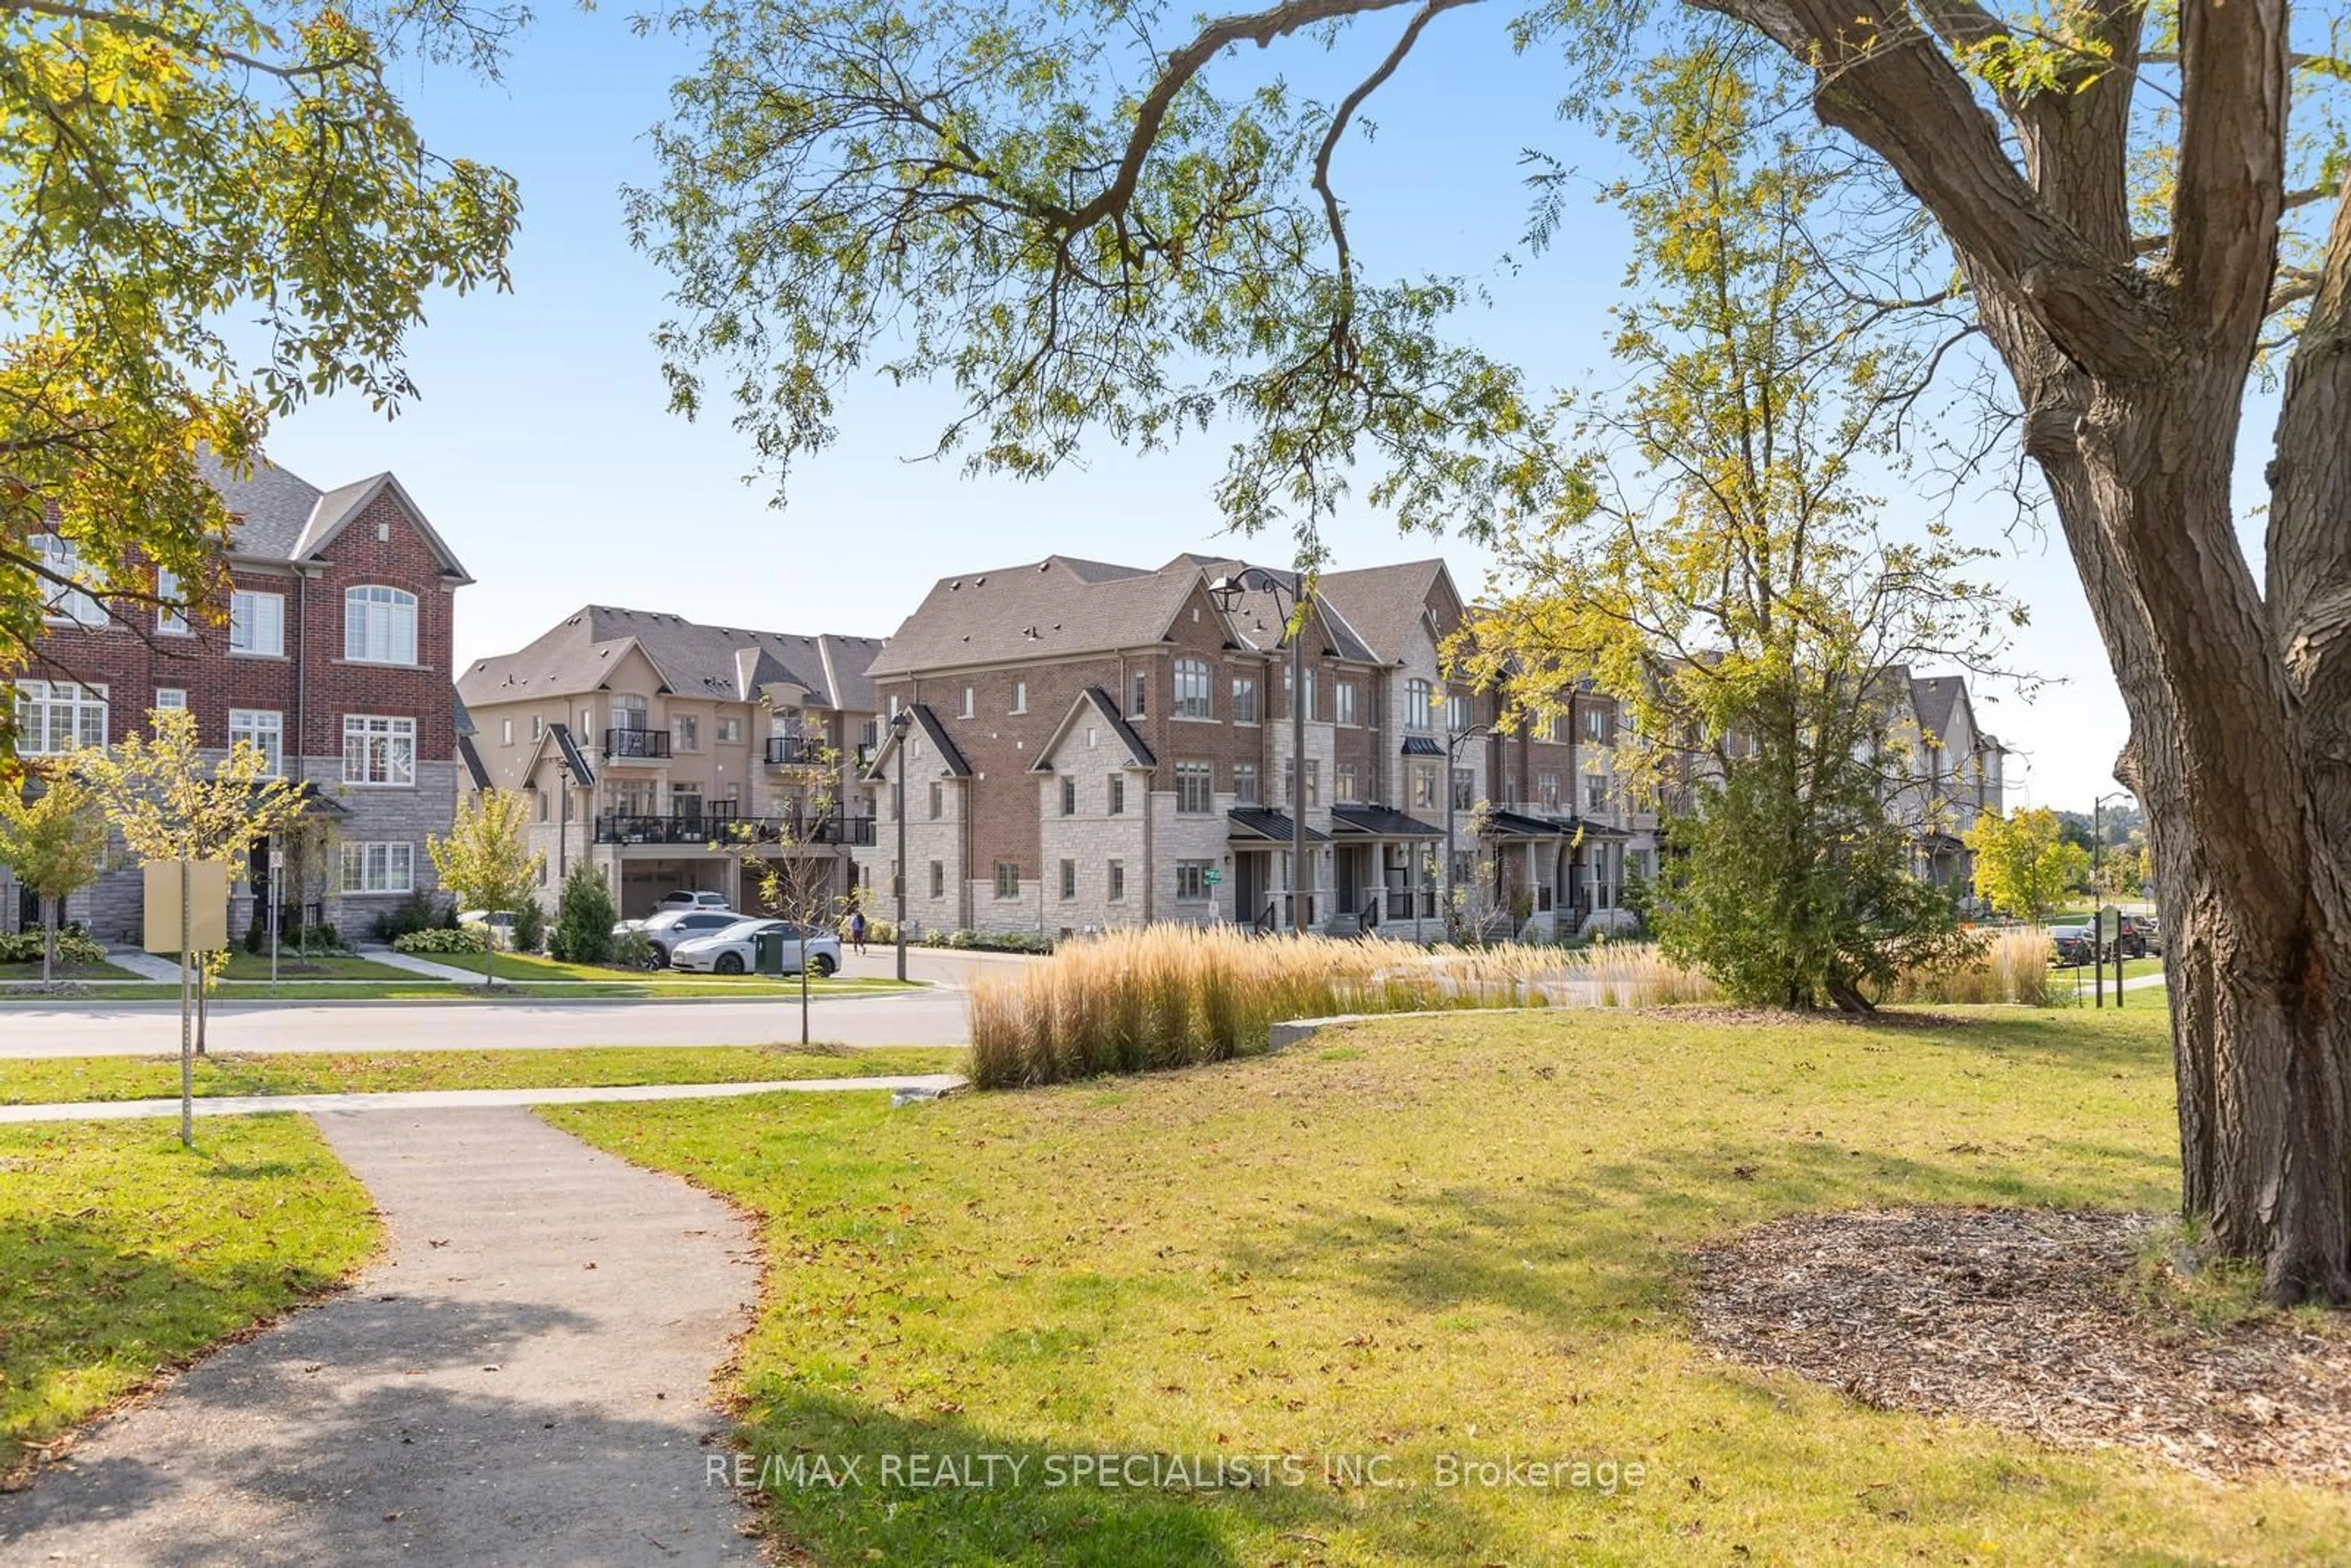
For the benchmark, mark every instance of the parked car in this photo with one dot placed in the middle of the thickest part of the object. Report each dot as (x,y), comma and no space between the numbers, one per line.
(693,898)
(2074,945)
(666,928)
(499,925)
(2138,936)
(734,951)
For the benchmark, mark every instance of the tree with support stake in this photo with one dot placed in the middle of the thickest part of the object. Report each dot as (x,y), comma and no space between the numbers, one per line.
(486,862)
(53,837)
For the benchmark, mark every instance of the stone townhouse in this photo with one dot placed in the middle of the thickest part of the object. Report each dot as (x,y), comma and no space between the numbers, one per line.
(330,650)
(670,754)
(1945,772)
(1088,745)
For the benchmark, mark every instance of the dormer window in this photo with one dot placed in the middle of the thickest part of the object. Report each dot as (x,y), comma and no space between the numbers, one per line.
(379,625)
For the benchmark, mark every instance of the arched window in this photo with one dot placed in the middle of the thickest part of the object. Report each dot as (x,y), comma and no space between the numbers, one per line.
(379,625)
(1416,696)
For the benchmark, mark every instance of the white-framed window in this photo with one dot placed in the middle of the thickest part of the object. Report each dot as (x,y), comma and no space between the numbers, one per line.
(537,727)
(1140,690)
(1114,880)
(1418,697)
(1345,694)
(262,730)
(1424,784)
(938,801)
(54,717)
(1245,784)
(1595,791)
(1346,782)
(1194,788)
(384,867)
(1191,688)
(1008,879)
(1019,696)
(257,623)
(1068,796)
(1456,713)
(1244,700)
(170,697)
(1069,879)
(730,732)
(171,612)
(1289,782)
(1192,880)
(1117,796)
(685,729)
(1596,724)
(55,554)
(1464,789)
(1547,791)
(938,879)
(505,732)
(969,698)
(1313,707)
(379,625)
(630,711)
(378,749)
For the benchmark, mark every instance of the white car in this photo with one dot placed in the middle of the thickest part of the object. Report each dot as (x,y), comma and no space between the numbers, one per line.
(665,929)
(735,951)
(692,898)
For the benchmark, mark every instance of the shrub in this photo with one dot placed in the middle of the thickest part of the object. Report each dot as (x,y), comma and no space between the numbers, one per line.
(583,918)
(417,912)
(321,937)
(529,926)
(74,947)
(986,941)
(440,940)
(633,950)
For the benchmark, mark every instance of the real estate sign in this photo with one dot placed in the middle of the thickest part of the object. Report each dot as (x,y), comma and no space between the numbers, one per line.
(207,906)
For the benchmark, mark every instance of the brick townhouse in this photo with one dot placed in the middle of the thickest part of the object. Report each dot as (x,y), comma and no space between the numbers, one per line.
(330,653)
(1089,744)
(670,754)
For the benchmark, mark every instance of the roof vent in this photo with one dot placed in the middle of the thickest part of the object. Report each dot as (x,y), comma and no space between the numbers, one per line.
(955,587)
(1046,565)
(979,582)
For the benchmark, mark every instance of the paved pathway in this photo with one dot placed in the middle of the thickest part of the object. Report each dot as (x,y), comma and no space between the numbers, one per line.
(524,1379)
(391,959)
(439,1100)
(147,1028)
(146,966)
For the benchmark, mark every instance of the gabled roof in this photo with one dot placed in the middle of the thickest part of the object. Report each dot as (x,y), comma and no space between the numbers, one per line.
(471,759)
(583,774)
(1055,606)
(1934,699)
(951,762)
(1095,701)
(277,515)
(1388,605)
(693,660)
(1259,620)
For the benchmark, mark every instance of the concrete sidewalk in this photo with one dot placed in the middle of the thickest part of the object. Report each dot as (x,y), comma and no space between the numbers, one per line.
(146,966)
(416,965)
(441,1100)
(523,1379)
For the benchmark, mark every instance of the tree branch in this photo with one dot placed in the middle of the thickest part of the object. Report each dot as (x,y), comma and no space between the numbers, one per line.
(2226,207)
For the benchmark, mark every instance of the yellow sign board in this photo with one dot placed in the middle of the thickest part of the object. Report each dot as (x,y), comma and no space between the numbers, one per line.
(207,906)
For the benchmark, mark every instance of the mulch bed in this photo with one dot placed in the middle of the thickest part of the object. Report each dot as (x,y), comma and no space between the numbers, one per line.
(2025,1320)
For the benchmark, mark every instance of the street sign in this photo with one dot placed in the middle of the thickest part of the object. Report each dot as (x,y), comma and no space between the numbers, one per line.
(207,891)
(2110,924)
(1212,876)
(277,860)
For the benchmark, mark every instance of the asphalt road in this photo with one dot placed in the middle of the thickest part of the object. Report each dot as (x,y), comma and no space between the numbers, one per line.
(923,1017)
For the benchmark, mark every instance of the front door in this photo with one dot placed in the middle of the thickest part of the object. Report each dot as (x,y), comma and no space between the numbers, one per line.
(1249,886)
(1350,876)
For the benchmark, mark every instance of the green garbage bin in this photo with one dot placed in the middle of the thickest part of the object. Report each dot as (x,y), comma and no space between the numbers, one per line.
(768,951)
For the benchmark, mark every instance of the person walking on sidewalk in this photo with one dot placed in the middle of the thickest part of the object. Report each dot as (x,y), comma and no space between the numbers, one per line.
(857,931)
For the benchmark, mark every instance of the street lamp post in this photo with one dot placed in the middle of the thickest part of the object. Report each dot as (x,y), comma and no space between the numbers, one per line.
(1226,591)
(2098,899)
(900,723)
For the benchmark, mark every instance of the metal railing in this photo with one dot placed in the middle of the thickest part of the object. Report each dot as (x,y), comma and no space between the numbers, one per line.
(795,750)
(723,829)
(641,742)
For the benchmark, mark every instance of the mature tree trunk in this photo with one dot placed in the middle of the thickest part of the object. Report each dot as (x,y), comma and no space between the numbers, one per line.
(2132,379)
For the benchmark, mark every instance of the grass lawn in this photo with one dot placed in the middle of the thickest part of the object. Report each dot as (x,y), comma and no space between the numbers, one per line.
(243,966)
(661,986)
(1423,1238)
(122,1253)
(44,1079)
(31,973)
(2132,969)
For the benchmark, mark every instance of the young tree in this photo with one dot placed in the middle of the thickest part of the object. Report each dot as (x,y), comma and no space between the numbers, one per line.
(795,884)
(170,170)
(2024,864)
(485,863)
(170,804)
(1715,566)
(1054,208)
(55,843)
(584,917)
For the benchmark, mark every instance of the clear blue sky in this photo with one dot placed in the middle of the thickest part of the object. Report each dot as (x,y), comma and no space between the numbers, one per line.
(542,450)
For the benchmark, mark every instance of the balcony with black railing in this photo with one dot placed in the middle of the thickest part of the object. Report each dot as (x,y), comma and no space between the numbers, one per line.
(710,828)
(637,744)
(795,751)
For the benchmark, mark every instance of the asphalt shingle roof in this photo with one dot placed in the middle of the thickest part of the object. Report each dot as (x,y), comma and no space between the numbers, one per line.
(1055,606)
(723,663)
